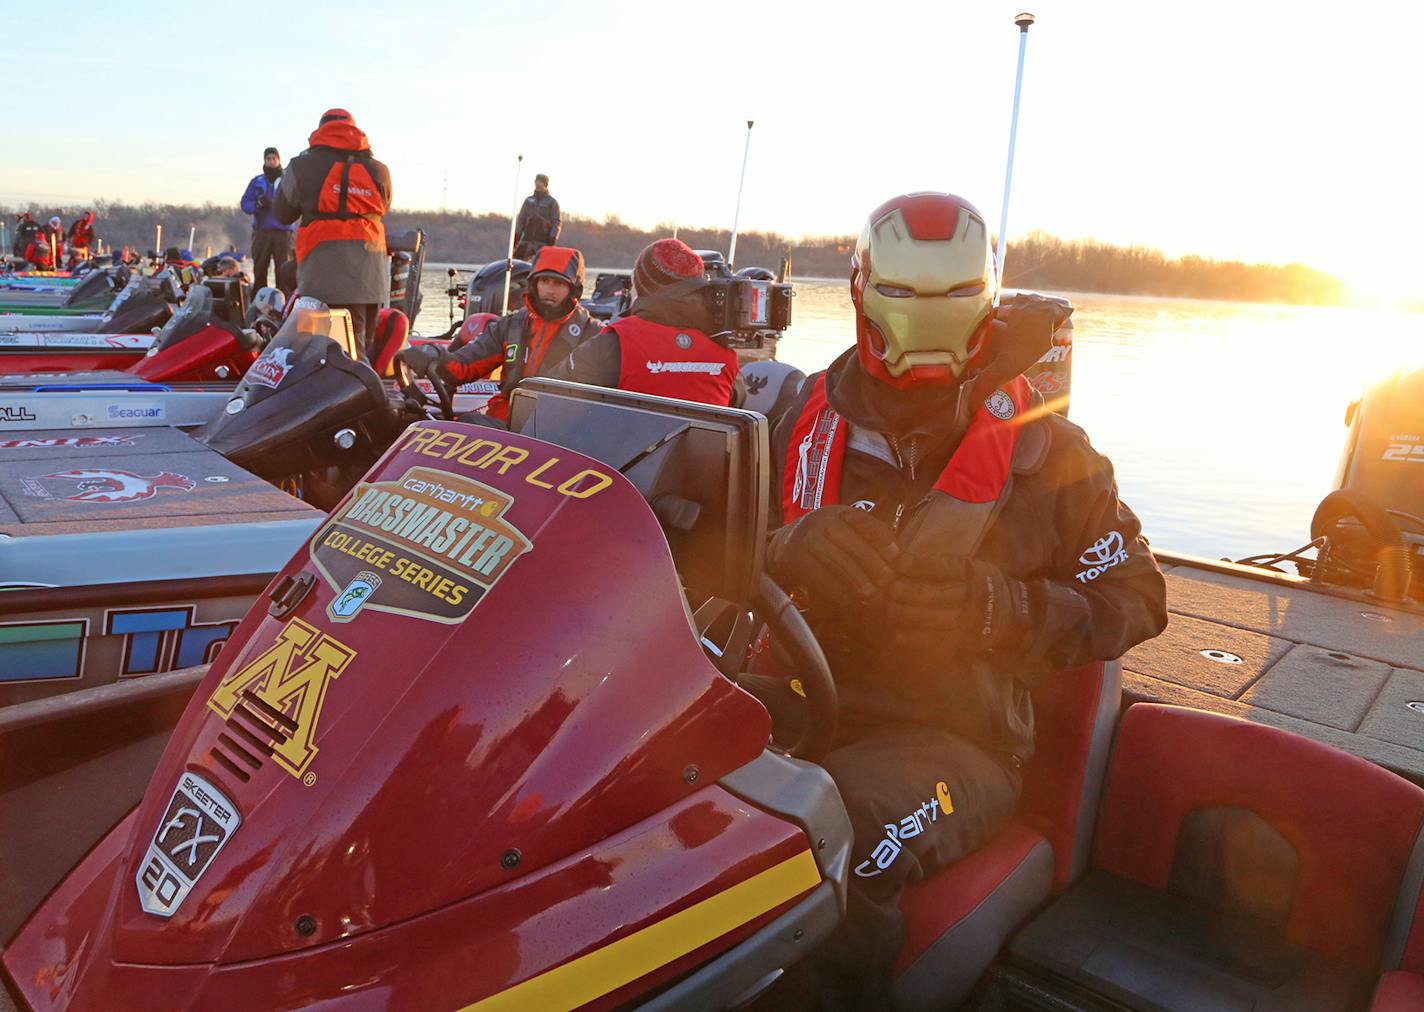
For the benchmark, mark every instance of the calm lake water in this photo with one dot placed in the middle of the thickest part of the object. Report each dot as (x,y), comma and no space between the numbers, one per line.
(1224,420)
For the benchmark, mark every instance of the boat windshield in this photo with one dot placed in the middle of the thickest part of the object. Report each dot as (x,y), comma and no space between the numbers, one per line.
(310,316)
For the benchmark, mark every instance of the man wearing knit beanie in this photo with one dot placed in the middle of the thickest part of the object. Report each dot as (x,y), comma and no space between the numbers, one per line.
(271,239)
(660,347)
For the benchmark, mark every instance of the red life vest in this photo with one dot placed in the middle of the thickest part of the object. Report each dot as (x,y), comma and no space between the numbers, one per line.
(976,472)
(673,362)
(349,203)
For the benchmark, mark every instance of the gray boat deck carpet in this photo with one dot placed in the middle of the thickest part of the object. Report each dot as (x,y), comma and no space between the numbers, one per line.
(1348,671)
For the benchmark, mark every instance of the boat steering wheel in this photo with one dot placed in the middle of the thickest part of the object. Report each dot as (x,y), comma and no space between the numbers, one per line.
(443,402)
(808,663)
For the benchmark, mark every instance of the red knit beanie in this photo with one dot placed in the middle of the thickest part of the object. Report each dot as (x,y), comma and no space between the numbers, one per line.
(663,263)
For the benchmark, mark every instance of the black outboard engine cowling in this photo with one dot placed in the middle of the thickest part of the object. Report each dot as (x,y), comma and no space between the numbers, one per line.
(485,291)
(306,403)
(1374,521)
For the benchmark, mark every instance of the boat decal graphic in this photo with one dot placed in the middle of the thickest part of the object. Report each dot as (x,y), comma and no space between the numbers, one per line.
(435,543)
(199,820)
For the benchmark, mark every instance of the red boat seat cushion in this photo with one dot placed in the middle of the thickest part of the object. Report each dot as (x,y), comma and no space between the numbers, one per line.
(958,920)
(392,329)
(1399,991)
(1352,825)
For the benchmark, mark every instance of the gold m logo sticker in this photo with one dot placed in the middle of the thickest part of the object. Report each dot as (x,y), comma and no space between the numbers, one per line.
(291,676)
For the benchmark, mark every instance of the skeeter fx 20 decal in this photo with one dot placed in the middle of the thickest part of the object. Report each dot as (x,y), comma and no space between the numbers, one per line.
(292,677)
(198,821)
(436,543)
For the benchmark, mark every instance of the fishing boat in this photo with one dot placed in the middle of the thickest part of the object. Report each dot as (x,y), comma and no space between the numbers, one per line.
(594,805)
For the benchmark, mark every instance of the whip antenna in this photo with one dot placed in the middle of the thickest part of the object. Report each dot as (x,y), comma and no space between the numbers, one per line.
(737,214)
(1023,21)
(509,255)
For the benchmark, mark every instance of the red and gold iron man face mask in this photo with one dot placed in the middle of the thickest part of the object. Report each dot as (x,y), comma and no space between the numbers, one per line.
(924,288)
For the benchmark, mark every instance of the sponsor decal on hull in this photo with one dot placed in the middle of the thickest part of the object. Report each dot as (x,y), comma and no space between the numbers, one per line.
(77,441)
(107,486)
(435,542)
(292,677)
(136,412)
(16,414)
(198,822)
(270,368)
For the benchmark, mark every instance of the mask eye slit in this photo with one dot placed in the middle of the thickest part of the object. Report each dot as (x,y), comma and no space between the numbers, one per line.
(894,291)
(967,291)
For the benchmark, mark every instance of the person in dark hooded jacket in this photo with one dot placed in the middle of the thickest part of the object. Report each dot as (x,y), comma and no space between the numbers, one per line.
(549,327)
(340,194)
(953,544)
(539,222)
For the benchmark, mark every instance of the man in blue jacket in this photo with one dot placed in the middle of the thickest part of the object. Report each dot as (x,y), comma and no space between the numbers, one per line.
(271,240)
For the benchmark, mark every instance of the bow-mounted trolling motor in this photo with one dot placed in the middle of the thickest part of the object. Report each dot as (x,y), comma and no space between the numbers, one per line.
(1369,532)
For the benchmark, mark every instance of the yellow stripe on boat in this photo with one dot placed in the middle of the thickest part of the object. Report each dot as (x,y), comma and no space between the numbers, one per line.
(591,976)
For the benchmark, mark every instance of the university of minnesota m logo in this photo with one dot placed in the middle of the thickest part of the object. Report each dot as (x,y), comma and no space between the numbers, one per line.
(291,676)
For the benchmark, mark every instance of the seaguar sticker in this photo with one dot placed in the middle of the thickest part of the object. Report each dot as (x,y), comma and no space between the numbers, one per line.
(437,541)
(198,822)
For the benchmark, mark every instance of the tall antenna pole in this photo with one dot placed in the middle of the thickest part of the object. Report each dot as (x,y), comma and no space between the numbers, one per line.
(509,254)
(1023,21)
(737,214)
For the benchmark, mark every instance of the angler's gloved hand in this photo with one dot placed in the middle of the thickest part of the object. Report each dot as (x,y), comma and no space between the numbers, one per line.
(1023,333)
(264,202)
(940,608)
(426,360)
(833,556)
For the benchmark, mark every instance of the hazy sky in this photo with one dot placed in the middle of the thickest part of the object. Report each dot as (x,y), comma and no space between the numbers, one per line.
(1230,129)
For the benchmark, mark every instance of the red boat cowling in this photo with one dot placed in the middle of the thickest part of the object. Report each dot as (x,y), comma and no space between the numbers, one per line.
(444,808)
(215,352)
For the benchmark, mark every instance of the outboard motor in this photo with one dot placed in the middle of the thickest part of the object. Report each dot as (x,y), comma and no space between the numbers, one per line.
(612,295)
(1052,375)
(485,291)
(407,267)
(309,401)
(1373,523)
(198,344)
(714,263)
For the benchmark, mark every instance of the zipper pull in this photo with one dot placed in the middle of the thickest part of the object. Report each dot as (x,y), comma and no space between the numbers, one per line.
(899,512)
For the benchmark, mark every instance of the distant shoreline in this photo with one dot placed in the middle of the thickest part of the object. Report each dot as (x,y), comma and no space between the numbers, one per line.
(1039,261)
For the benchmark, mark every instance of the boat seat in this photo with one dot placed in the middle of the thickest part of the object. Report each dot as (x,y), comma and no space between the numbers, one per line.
(1236,866)
(957,921)
(1402,986)
(392,332)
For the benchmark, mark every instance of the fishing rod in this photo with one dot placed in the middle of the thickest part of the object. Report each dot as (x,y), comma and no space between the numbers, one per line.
(736,214)
(509,254)
(1023,21)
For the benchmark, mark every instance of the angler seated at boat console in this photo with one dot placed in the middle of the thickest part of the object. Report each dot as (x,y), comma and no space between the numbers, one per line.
(702,469)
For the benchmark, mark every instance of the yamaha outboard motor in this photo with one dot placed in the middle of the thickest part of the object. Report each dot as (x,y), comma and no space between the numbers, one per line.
(485,292)
(310,401)
(1373,523)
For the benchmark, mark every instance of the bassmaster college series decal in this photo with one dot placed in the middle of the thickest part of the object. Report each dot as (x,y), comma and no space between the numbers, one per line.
(428,545)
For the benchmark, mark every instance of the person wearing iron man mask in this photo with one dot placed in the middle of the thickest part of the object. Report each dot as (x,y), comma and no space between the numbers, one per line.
(953,544)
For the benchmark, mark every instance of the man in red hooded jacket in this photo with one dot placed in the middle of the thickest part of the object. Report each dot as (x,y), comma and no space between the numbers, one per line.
(526,343)
(340,194)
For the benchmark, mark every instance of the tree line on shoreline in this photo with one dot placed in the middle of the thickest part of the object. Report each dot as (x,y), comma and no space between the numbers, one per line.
(1038,260)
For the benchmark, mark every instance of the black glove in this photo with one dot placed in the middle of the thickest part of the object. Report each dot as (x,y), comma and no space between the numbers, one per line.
(941,607)
(833,556)
(264,202)
(426,360)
